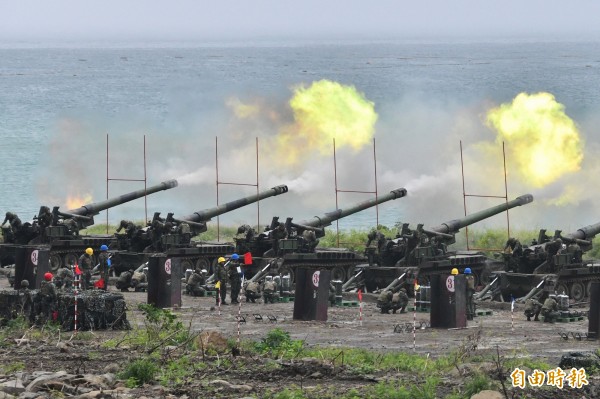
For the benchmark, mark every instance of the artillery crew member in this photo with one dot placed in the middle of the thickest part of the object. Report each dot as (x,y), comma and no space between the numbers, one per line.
(235,278)
(86,265)
(278,233)
(124,281)
(15,225)
(104,265)
(46,300)
(384,301)
(550,310)
(470,292)
(269,290)
(399,301)
(532,309)
(139,280)
(64,278)
(222,278)
(196,283)
(252,291)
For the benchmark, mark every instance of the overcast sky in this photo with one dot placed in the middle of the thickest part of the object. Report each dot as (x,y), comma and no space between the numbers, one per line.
(282,19)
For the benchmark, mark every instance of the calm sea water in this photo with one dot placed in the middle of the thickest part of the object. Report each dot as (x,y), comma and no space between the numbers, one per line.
(163,85)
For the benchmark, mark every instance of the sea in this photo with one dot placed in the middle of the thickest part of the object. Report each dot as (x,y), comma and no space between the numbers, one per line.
(165,84)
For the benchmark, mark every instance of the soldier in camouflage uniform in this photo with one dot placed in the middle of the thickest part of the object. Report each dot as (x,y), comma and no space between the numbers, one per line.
(532,309)
(399,301)
(550,310)
(279,233)
(222,278)
(124,281)
(64,279)
(15,226)
(104,265)
(196,283)
(46,300)
(139,281)
(252,291)
(235,279)
(86,265)
(269,290)
(384,301)
(470,292)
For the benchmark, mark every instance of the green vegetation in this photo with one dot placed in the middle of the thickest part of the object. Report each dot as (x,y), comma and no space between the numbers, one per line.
(139,372)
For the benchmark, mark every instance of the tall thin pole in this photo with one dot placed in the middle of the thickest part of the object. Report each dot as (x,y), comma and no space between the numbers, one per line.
(217,169)
(257,191)
(506,190)
(462,170)
(376,193)
(145,183)
(337,224)
(107,181)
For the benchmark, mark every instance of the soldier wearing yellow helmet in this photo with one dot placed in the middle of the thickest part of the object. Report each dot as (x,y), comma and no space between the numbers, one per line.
(222,279)
(86,264)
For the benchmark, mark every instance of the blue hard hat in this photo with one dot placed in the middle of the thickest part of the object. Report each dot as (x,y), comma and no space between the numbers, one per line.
(468,270)
(235,256)
(103,247)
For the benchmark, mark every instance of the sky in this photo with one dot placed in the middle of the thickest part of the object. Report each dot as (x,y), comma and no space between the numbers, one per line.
(273,19)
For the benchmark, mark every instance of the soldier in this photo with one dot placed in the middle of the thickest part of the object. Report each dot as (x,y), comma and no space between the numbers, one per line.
(235,278)
(139,281)
(129,227)
(378,239)
(46,300)
(384,301)
(86,265)
(222,278)
(277,234)
(104,266)
(550,310)
(399,301)
(269,290)
(310,241)
(195,285)
(532,309)
(470,292)
(124,281)
(45,218)
(512,251)
(252,291)
(64,278)
(15,225)
(575,252)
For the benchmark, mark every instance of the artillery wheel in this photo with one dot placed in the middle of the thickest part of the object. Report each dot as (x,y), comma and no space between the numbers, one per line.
(562,287)
(56,262)
(577,291)
(187,264)
(71,259)
(338,273)
(203,263)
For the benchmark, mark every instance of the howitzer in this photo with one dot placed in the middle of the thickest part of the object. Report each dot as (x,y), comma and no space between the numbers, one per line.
(453,226)
(84,215)
(197,220)
(317,223)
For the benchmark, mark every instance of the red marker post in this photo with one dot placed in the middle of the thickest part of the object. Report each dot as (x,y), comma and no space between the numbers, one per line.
(360,306)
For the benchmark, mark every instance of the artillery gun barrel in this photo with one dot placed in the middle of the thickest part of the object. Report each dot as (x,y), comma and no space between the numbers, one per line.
(453,226)
(97,207)
(350,281)
(394,283)
(207,214)
(328,218)
(584,233)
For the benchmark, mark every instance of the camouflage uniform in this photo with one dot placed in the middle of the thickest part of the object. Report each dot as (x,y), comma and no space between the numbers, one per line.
(64,278)
(550,310)
(103,261)
(252,291)
(532,309)
(269,289)
(222,276)
(124,281)
(46,302)
(86,265)
(138,281)
(195,285)
(470,292)
(277,234)
(399,301)
(384,301)
(235,280)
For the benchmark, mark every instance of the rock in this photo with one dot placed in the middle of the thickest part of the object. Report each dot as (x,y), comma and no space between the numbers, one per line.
(316,374)
(222,383)
(212,340)
(579,360)
(4,395)
(487,394)
(109,379)
(13,387)
(42,379)
(228,385)
(112,368)
(62,347)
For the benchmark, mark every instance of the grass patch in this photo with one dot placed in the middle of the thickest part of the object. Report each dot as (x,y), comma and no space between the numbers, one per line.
(141,371)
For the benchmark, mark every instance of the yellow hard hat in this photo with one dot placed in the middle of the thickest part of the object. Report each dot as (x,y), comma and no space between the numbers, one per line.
(454,271)
(89,251)
(221,259)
